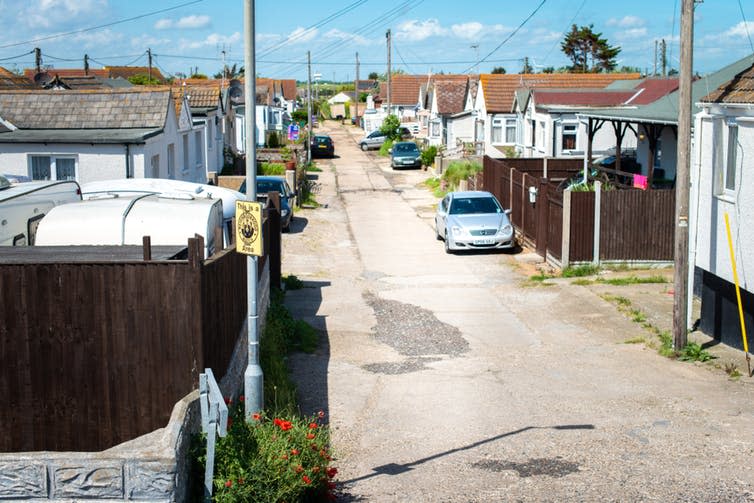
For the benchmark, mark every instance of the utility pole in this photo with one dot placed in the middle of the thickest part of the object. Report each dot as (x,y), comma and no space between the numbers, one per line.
(222,83)
(389,76)
(149,58)
(476,48)
(253,377)
(356,91)
(86,64)
(38,59)
(309,106)
(664,58)
(681,278)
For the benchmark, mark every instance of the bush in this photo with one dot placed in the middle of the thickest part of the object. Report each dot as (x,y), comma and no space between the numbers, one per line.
(460,170)
(274,140)
(428,155)
(272,169)
(385,148)
(391,127)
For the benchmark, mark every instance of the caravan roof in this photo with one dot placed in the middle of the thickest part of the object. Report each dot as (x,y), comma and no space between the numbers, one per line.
(124,220)
(126,186)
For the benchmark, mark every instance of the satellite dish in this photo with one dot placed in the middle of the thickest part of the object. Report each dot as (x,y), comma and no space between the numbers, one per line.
(236,90)
(42,78)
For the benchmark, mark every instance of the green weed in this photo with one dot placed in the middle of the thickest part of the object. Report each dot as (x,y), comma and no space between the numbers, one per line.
(636,340)
(693,352)
(632,280)
(580,270)
(582,282)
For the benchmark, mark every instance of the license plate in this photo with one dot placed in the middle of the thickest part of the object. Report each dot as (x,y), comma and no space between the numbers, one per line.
(323,146)
(484,241)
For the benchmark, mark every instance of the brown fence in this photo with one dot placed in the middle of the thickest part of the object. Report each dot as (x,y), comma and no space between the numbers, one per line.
(634,225)
(96,351)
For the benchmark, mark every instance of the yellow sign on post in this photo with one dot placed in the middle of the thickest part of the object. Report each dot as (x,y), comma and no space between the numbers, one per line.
(249,228)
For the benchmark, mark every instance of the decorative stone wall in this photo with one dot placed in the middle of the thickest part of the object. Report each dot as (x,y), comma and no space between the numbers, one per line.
(153,468)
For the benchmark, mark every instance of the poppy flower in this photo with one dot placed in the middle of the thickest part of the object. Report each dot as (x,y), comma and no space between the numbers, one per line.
(299,469)
(332,472)
(277,421)
(295,452)
(312,426)
(284,456)
(286,425)
(240,398)
(310,436)
(228,400)
(257,417)
(306,479)
(228,483)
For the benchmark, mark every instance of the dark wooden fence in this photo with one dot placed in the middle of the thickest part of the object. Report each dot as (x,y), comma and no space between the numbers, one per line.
(635,225)
(96,351)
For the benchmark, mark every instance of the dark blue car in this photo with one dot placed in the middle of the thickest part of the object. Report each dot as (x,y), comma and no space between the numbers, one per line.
(266,184)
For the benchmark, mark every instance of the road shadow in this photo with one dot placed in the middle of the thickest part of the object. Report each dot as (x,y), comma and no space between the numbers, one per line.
(297,225)
(397,468)
(309,371)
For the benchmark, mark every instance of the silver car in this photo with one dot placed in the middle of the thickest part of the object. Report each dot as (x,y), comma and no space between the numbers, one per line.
(473,220)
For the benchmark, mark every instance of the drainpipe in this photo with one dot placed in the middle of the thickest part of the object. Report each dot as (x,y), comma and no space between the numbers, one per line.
(128,162)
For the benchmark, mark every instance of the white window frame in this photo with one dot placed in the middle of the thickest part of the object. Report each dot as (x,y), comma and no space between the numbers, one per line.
(570,132)
(53,165)
(185,166)
(171,161)
(726,158)
(498,126)
(154,166)
(198,150)
(435,129)
(511,123)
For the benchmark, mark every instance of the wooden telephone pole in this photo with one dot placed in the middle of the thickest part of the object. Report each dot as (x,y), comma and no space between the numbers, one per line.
(683,182)
(389,78)
(356,92)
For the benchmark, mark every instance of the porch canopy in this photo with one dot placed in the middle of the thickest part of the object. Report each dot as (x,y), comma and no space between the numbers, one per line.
(651,118)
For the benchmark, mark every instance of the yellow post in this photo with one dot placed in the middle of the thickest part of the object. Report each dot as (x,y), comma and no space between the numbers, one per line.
(738,292)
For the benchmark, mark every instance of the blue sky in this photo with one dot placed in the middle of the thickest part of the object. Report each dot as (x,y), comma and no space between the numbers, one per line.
(428,35)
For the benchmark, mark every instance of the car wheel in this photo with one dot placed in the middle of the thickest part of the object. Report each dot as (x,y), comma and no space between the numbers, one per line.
(447,247)
(437,233)
(364,147)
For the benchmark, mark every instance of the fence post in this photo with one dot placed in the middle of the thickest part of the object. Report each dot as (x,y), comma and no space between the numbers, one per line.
(565,249)
(597,202)
(544,167)
(146,243)
(543,228)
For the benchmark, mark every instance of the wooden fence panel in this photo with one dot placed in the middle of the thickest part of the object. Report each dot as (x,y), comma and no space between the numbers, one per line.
(582,226)
(516,191)
(637,225)
(555,223)
(529,211)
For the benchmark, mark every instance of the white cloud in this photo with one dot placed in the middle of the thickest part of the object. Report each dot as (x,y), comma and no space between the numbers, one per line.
(626,22)
(468,31)
(351,38)
(193,22)
(53,13)
(632,33)
(98,39)
(186,23)
(163,24)
(301,34)
(415,31)
(212,40)
(742,29)
(145,40)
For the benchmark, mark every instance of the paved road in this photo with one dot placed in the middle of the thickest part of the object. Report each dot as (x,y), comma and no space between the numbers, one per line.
(447,380)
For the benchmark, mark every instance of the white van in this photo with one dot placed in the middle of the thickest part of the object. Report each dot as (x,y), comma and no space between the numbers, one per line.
(126,186)
(22,206)
(124,220)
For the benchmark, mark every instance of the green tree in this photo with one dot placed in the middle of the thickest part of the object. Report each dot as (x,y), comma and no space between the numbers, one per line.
(373,76)
(588,50)
(143,80)
(498,70)
(390,127)
(548,69)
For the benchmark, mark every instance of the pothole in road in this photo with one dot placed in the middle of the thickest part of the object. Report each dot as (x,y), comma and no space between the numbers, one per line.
(396,368)
(551,467)
(414,331)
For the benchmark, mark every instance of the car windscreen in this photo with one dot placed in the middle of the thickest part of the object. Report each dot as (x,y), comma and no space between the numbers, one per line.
(322,139)
(474,205)
(405,147)
(264,186)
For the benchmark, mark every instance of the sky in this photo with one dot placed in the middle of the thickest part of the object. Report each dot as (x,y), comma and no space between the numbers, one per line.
(450,36)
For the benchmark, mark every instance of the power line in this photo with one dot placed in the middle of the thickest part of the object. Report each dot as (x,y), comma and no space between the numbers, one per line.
(401,57)
(493,51)
(746,25)
(565,31)
(98,27)
(19,56)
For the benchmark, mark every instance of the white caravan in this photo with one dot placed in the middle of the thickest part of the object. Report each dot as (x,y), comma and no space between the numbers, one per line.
(126,186)
(125,220)
(23,205)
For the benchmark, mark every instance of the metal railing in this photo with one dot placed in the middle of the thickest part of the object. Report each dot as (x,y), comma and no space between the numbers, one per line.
(214,422)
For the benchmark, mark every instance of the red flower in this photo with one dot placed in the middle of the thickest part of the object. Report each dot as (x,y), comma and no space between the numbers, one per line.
(299,469)
(331,485)
(295,452)
(284,456)
(228,483)
(306,480)
(277,421)
(286,425)
(240,482)
(321,414)
(228,400)
(257,417)
(240,398)
(310,436)
(312,426)
(332,472)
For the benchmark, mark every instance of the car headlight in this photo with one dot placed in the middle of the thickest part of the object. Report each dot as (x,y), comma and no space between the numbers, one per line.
(457,231)
(283,212)
(506,230)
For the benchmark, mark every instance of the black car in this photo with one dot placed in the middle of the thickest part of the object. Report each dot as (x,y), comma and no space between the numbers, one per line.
(322,146)
(267,184)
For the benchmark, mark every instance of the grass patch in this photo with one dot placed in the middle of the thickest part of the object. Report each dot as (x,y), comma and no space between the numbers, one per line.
(731,369)
(582,282)
(271,169)
(632,280)
(637,316)
(636,340)
(617,299)
(693,352)
(666,344)
(311,167)
(580,271)
(385,148)
(540,277)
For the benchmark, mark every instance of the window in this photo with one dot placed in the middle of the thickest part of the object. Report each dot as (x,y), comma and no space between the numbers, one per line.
(732,157)
(497,131)
(198,148)
(568,141)
(45,167)
(434,129)
(185,166)
(510,130)
(155,164)
(725,155)
(541,140)
(171,161)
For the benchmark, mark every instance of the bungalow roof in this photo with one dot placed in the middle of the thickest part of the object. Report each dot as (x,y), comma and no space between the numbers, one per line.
(739,89)
(451,96)
(499,89)
(9,80)
(405,88)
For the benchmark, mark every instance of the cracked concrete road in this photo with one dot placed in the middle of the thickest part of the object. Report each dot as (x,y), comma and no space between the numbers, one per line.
(447,380)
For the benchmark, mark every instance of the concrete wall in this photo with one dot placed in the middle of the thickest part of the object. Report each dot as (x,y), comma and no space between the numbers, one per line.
(154,467)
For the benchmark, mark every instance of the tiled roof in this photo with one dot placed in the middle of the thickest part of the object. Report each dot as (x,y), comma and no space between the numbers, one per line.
(29,73)
(367,85)
(9,80)
(586,98)
(405,88)
(289,89)
(738,90)
(499,89)
(651,90)
(85,109)
(450,95)
(203,97)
